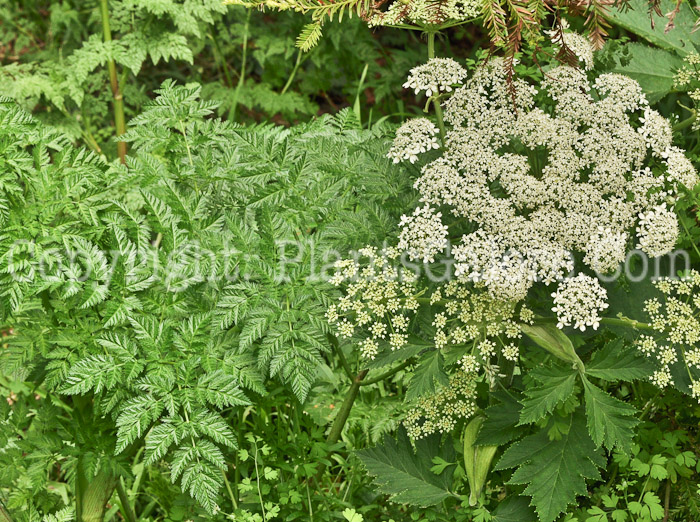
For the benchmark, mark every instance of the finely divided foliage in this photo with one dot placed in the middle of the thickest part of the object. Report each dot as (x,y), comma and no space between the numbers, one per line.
(163,290)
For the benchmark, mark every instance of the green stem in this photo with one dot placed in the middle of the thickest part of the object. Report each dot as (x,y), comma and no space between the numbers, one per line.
(386,374)
(119,119)
(241,76)
(436,101)
(219,57)
(343,361)
(4,513)
(685,228)
(127,510)
(685,123)
(293,74)
(344,412)
(626,321)
(92,496)
(230,491)
(342,416)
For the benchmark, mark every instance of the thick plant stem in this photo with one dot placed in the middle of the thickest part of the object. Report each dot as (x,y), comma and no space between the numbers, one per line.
(127,510)
(342,416)
(92,496)
(344,412)
(436,102)
(119,119)
(4,514)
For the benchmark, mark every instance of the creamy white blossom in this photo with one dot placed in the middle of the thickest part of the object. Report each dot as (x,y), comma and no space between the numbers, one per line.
(657,231)
(578,302)
(423,234)
(414,137)
(436,76)
(426,12)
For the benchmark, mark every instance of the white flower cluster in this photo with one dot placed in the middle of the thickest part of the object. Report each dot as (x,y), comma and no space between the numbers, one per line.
(676,319)
(436,76)
(578,302)
(688,79)
(380,299)
(465,315)
(412,138)
(422,234)
(579,174)
(575,42)
(424,12)
(657,231)
(440,412)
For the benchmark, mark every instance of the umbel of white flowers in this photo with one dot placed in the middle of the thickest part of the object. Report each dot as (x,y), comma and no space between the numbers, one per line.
(586,171)
(535,174)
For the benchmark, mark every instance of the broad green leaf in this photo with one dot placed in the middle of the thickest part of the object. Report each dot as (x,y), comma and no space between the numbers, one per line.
(428,376)
(610,421)
(514,509)
(501,424)
(406,475)
(556,388)
(618,362)
(555,471)
(653,68)
(636,19)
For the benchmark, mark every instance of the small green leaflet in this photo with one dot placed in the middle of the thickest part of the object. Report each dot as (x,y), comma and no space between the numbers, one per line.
(407,476)
(617,362)
(428,376)
(557,386)
(610,421)
(555,471)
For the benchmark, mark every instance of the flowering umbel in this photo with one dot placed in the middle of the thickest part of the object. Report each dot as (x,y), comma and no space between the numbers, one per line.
(674,319)
(535,185)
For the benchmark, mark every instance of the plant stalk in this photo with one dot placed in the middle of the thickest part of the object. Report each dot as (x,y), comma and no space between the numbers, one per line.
(436,101)
(344,412)
(119,119)
(342,416)
(127,510)
(4,514)
(241,76)
(92,496)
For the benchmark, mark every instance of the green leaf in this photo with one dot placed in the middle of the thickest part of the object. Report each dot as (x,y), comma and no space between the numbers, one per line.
(501,424)
(610,421)
(653,68)
(649,509)
(428,376)
(405,475)
(618,362)
(414,347)
(557,387)
(555,471)
(513,509)
(634,16)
